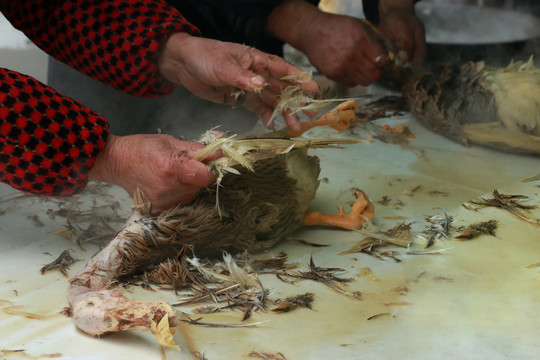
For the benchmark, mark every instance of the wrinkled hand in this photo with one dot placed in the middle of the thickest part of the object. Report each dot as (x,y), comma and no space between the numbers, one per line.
(160,165)
(215,70)
(406,32)
(342,48)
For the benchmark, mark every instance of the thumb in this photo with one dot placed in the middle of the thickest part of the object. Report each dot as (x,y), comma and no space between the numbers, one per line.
(195,173)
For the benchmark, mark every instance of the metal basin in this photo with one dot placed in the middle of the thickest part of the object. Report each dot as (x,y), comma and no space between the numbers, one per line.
(495,31)
(468,25)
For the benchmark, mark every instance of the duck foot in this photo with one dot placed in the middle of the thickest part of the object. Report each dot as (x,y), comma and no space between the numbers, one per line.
(338,118)
(362,210)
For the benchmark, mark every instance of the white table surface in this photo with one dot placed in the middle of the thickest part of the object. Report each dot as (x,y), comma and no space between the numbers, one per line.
(476,300)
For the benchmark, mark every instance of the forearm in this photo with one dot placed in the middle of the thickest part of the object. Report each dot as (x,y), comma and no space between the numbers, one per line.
(114,42)
(49,142)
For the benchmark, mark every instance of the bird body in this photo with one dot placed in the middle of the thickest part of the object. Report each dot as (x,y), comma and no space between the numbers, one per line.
(262,195)
(479,104)
(249,210)
(516,89)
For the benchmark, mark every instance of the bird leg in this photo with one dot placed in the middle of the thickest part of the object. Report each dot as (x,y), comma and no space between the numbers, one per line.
(362,210)
(338,118)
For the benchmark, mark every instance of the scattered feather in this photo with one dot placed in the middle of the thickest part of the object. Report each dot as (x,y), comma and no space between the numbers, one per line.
(474,230)
(375,240)
(62,263)
(438,227)
(267,356)
(510,203)
(292,302)
(220,325)
(376,316)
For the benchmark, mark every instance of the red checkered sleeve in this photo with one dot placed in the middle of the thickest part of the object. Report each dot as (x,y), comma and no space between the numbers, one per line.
(114,41)
(48,142)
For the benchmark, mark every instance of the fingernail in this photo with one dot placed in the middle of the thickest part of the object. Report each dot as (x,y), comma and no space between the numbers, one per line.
(257,81)
(381,60)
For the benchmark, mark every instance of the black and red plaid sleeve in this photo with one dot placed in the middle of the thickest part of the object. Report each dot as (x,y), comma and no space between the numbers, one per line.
(48,142)
(114,41)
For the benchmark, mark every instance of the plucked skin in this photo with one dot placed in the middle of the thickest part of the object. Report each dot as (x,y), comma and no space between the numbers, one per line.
(475,103)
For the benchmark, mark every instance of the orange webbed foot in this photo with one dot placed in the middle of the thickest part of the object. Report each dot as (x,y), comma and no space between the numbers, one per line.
(338,118)
(362,210)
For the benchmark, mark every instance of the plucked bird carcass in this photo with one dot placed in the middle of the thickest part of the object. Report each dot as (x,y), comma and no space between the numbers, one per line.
(474,103)
(261,196)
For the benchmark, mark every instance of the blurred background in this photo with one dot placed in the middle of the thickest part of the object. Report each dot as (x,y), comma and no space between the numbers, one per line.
(495,31)
(18,53)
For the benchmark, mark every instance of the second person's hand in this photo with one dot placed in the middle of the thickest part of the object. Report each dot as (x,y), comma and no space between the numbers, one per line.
(216,70)
(401,25)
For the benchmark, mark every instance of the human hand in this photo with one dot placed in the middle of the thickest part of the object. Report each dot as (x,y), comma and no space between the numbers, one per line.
(345,51)
(216,70)
(344,48)
(160,165)
(405,30)
(340,47)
